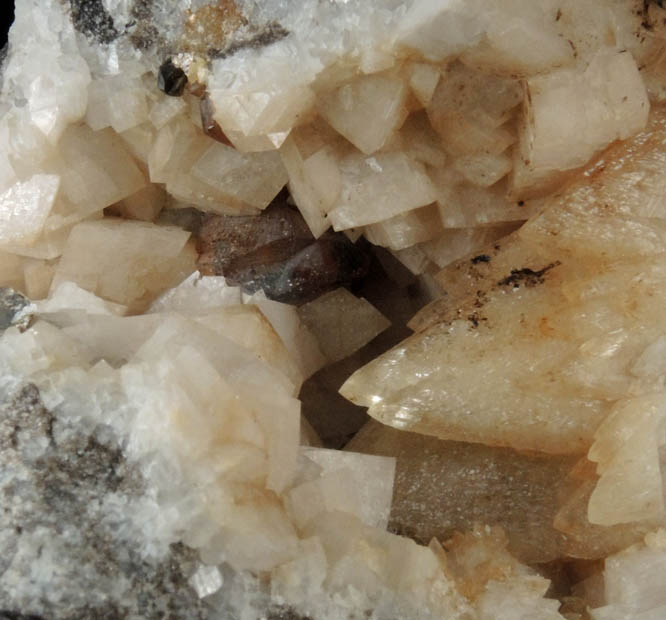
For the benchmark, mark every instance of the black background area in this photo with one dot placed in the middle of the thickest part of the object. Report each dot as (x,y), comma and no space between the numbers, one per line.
(6,19)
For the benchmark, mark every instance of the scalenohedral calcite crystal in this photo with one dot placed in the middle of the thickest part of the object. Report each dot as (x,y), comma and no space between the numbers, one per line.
(213,212)
(550,339)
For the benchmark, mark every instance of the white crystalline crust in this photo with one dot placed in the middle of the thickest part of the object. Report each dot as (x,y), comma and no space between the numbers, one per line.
(633,582)
(432,128)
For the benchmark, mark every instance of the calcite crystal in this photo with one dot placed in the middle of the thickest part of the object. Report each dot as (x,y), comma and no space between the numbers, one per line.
(580,285)
(215,213)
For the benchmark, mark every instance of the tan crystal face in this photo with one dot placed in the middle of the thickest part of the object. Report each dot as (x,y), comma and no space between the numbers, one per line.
(230,230)
(211,26)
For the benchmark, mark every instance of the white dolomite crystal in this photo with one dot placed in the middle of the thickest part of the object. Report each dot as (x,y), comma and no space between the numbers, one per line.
(125,262)
(314,183)
(360,485)
(96,171)
(633,581)
(252,179)
(367,110)
(403,231)
(117,102)
(378,187)
(570,114)
(197,293)
(25,208)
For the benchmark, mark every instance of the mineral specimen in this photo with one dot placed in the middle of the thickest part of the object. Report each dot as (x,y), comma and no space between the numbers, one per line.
(213,213)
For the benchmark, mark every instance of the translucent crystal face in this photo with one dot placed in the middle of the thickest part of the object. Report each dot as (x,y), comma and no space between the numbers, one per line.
(218,218)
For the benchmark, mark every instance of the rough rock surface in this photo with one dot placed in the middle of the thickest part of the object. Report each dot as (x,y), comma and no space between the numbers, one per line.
(11,304)
(65,498)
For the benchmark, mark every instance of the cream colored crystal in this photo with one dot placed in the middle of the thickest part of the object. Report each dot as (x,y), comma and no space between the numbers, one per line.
(38,275)
(197,293)
(245,325)
(626,450)
(487,574)
(11,271)
(522,39)
(125,262)
(165,110)
(633,581)
(67,297)
(414,258)
(342,323)
(260,94)
(357,484)
(571,114)
(402,231)
(483,170)
(298,339)
(423,79)
(418,139)
(469,110)
(314,183)
(378,187)
(252,179)
(139,141)
(118,102)
(144,205)
(96,171)
(24,208)
(367,110)
(455,243)
(175,149)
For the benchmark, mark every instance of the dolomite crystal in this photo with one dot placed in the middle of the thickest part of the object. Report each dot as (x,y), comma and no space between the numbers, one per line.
(170,173)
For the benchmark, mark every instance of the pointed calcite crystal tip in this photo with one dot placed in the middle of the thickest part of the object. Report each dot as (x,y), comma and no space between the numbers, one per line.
(539,334)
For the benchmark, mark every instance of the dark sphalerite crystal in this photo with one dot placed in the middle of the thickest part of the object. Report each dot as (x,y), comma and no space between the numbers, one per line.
(171,80)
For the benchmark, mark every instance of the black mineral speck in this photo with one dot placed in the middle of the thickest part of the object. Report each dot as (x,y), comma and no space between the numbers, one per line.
(92,19)
(171,79)
(526,276)
(284,613)
(481,258)
(476,319)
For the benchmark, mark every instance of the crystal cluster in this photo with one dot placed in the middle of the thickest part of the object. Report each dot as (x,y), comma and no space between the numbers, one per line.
(214,212)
